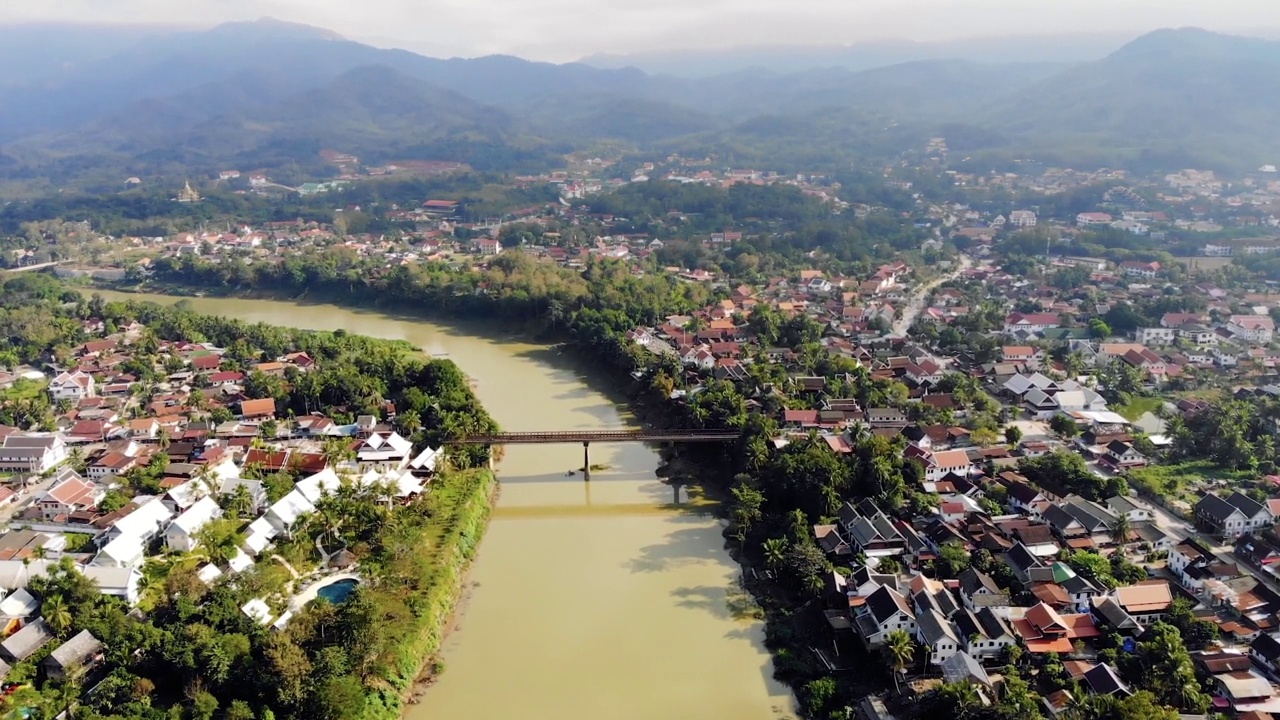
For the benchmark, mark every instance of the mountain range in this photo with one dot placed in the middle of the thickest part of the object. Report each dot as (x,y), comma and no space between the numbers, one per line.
(166,102)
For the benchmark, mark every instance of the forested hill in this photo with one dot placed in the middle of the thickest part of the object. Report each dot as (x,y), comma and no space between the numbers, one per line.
(270,95)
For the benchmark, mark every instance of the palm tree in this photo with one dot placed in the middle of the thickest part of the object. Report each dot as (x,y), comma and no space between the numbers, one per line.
(76,459)
(900,651)
(336,450)
(775,551)
(65,695)
(1120,530)
(239,502)
(410,422)
(962,695)
(56,614)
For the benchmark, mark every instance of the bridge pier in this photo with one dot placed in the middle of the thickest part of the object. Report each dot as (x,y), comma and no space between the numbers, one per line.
(586,461)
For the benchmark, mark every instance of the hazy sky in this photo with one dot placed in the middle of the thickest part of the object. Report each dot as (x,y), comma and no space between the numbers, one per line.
(562,30)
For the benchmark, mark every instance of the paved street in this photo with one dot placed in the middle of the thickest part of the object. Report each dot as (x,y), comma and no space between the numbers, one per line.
(915,305)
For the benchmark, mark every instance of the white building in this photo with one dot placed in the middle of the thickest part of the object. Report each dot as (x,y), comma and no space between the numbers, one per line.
(1022,218)
(32,453)
(72,386)
(1254,328)
(181,533)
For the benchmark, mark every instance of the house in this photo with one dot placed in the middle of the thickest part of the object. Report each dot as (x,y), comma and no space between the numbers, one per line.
(69,495)
(1086,219)
(886,417)
(110,465)
(1102,679)
(1076,518)
(24,643)
(985,634)
(1023,496)
(486,246)
(383,451)
(1122,456)
(1107,611)
(1026,355)
(1128,509)
(257,409)
(1031,322)
(1265,652)
(1156,335)
(963,667)
(1244,689)
(936,633)
(1044,630)
(1022,218)
(873,534)
(978,591)
(1231,516)
(924,372)
(884,611)
(144,429)
(940,464)
(1146,602)
(181,533)
(74,386)
(1253,328)
(1136,268)
(32,453)
(1190,562)
(80,654)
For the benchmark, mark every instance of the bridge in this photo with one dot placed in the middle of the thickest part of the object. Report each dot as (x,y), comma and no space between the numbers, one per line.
(586,437)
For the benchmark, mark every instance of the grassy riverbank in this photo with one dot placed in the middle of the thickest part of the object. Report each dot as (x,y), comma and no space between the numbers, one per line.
(443,549)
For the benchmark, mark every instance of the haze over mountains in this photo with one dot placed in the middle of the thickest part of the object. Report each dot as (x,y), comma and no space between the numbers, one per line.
(867,55)
(153,102)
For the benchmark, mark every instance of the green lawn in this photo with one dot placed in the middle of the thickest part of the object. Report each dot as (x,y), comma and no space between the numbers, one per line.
(1137,406)
(24,389)
(1174,480)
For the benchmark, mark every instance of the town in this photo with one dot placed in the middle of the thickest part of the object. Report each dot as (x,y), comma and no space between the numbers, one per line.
(1080,403)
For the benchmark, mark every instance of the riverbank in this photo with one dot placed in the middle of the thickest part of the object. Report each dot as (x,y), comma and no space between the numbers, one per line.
(664,557)
(462,505)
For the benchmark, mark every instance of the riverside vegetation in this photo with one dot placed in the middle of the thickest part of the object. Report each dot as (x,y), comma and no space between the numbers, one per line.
(194,653)
(774,495)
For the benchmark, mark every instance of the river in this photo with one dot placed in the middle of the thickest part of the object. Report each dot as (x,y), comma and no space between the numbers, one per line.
(588,600)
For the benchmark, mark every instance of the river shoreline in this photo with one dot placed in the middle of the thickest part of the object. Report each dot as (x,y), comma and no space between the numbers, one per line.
(432,665)
(704,483)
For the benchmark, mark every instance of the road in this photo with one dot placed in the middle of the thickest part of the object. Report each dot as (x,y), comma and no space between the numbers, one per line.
(1182,530)
(915,305)
(25,498)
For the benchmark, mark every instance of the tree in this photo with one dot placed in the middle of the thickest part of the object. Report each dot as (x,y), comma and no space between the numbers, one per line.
(952,560)
(804,565)
(899,650)
(1099,329)
(1120,529)
(56,615)
(1064,426)
(775,552)
(745,511)
(409,421)
(1196,633)
(1013,434)
(238,502)
(984,437)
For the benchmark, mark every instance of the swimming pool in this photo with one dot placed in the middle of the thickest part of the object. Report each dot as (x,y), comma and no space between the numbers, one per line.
(339,591)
